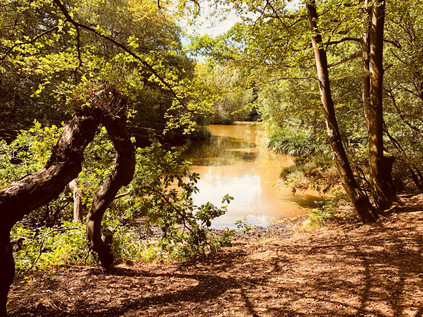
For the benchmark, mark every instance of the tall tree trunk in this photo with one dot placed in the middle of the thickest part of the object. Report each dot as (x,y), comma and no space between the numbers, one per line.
(380,166)
(365,61)
(36,190)
(357,197)
(121,175)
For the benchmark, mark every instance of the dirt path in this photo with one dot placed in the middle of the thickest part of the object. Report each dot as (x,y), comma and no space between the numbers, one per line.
(341,270)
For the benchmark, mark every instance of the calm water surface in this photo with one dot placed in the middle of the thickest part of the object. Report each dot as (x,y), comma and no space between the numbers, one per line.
(236,162)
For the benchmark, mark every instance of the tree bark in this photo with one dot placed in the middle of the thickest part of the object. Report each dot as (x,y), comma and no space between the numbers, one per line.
(8,268)
(380,166)
(365,49)
(36,190)
(64,165)
(121,175)
(355,194)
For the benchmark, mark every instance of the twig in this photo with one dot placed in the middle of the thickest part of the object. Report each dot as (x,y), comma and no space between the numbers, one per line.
(78,48)
(171,205)
(27,42)
(278,17)
(345,39)
(122,195)
(42,245)
(327,246)
(346,59)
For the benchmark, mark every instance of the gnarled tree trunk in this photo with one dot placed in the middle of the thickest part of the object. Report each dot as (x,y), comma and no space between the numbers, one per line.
(36,190)
(122,174)
(64,165)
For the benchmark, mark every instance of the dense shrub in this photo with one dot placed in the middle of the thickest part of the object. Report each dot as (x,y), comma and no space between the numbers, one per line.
(153,217)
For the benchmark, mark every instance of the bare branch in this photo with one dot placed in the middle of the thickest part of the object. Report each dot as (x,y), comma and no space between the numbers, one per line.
(396,44)
(40,252)
(339,24)
(285,16)
(122,195)
(346,59)
(278,17)
(401,115)
(345,39)
(261,15)
(170,204)
(78,48)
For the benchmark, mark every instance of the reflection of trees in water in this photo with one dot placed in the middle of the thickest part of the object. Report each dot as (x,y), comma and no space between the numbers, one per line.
(221,150)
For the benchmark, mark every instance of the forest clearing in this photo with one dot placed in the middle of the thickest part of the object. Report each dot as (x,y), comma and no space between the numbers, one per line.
(338,270)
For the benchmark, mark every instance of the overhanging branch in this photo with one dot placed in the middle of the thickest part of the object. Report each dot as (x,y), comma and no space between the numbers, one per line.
(116,43)
(27,42)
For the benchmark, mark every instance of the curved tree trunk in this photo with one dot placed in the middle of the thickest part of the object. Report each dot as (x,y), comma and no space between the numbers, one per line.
(355,194)
(36,190)
(121,175)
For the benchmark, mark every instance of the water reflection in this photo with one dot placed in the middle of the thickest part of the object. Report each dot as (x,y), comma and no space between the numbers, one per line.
(236,162)
(221,150)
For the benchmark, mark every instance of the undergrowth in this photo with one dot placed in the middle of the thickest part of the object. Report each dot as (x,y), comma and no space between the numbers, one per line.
(313,168)
(327,211)
(158,199)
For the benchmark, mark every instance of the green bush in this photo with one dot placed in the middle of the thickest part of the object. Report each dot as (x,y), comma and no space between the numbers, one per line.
(313,168)
(42,248)
(159,197)
(294,143)
(327,210)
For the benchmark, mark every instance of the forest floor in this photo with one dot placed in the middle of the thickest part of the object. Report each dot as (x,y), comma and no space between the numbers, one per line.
(338,270)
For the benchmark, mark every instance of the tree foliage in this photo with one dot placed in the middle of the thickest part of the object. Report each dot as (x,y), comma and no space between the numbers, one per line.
(54,54)
(272,47)
(157,204)
(88,59)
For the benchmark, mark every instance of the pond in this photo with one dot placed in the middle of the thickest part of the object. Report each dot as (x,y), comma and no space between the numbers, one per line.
(236,162)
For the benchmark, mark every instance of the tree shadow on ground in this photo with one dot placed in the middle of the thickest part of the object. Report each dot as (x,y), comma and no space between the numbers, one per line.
(370,270)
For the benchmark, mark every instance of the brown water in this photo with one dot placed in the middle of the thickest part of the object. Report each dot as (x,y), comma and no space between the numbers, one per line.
(236,162)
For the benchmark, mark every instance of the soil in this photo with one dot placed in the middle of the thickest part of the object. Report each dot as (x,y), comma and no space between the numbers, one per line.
(342,269)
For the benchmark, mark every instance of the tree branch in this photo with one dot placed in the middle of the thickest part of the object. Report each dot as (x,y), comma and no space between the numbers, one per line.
(345,39)
(278,17)
(116,43)
(27,42)
(346,59)
(401,115)
(172,205)
(40,252)
(122,195)
(397,45)
(78,48)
